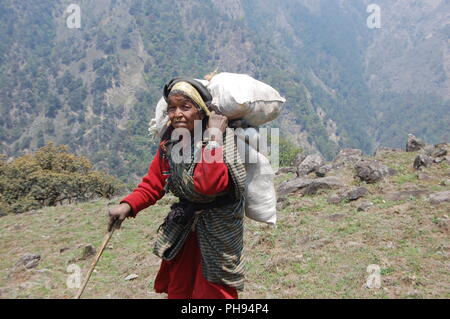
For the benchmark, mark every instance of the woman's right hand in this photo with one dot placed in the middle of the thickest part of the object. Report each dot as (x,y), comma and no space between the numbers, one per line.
(117,215)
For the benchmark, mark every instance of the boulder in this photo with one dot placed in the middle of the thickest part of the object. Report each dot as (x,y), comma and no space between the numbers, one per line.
(422,160)
(329,182)
(291,186)
(131,277)
(335,198)
(440,197)
(356,193)
(309,186)
(424,177)
(323,170)
(414,144)
(88,251)
(364,206)
(371,171)
(347,156)
(29,261)
(405,195)
(351,194)
(299,159)
(437,150)
(285,170)
(309,164)
(446,182)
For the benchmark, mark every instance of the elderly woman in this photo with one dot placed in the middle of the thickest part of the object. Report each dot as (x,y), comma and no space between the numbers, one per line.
(201,239)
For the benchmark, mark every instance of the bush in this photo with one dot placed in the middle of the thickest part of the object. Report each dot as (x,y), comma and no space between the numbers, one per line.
(49,177)
(288,151)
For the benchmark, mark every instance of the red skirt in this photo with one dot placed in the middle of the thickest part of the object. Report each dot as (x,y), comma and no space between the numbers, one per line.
(182,278)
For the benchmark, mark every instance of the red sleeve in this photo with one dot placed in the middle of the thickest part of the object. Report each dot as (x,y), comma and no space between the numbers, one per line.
(151,189)
(211,178)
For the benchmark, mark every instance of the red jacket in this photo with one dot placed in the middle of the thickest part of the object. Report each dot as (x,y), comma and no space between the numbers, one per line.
(209,179)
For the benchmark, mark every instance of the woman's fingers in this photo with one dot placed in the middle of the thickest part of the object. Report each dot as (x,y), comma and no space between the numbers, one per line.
(115,220)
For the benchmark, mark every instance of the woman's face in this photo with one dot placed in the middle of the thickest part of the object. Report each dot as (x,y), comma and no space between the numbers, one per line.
(182,112)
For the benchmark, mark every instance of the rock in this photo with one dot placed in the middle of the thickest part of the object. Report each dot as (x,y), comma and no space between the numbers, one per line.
(440,197)
(335,199)
(131,277)
(414,144)
(371,171)
(437,150)
(285,170)
(282,203)
(405,195)
(364,206)
(352,194)
(356,193)
(422,160)
(309,164)
(323,170)
(330,182)
(61,250)
(88,252)
(308,186)
(281,199)
(299,159)
(424,177)
(291,186)
(446,182)
(29,261)
(347,157)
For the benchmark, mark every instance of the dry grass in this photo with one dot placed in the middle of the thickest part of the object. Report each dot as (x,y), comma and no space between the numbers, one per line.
(317,250)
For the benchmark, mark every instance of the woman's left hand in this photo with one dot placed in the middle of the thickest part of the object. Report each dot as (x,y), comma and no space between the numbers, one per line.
(218,121)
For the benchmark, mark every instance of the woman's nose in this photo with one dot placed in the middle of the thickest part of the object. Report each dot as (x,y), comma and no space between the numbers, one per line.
(178,113)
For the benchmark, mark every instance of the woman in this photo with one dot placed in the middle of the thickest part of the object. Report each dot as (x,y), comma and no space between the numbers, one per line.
(201,239)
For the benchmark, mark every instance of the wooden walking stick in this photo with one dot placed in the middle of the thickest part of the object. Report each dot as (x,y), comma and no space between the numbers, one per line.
(97,257)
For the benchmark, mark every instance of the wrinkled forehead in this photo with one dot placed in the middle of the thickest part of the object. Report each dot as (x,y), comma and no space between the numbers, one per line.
(176,98)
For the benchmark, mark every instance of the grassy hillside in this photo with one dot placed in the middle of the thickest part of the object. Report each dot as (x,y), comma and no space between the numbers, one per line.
(317,250)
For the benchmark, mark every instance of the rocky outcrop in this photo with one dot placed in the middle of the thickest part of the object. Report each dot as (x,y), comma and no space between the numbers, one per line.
(371,171)
(309,164)
(309,186)
(351,194)
(405,195)
(29,261)
(323,170)
(431,154)
(440,197)
(346,157)
(421,161)
(414,144)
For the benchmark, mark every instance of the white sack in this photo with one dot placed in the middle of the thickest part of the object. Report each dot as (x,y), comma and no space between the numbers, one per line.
(239,96)
(260,196)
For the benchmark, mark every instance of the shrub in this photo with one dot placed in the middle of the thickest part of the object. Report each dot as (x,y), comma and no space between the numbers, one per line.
(49,177)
